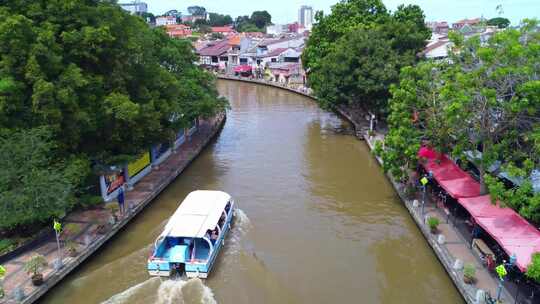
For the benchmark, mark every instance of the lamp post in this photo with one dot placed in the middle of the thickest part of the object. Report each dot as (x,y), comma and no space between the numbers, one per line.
(424,182)
(57,229)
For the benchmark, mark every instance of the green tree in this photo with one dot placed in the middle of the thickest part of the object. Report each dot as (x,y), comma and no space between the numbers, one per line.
(345,16)
(487,99)
(34,187)
(249,27)
(103,85)
(196,10)
(219,20)
(261,19)
(357,66)
(500,22)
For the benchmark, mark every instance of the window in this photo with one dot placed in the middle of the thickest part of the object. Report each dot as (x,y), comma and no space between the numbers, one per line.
(273,59)
(214,59)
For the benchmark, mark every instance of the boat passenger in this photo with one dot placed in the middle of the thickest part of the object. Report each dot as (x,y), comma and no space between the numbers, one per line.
(214,236)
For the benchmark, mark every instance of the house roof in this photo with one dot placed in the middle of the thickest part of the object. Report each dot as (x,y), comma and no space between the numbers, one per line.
(469,21)
(235,40)
(215,48)
(222,29)
(274,53)
(268,42)
(433,46)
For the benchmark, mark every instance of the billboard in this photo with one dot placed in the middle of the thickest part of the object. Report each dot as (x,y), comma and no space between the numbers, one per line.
(138,165)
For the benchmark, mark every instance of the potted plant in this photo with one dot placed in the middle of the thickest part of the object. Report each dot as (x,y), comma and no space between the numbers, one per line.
(71,248)
(433,224)
(469,274)
(113,208)
(34,266)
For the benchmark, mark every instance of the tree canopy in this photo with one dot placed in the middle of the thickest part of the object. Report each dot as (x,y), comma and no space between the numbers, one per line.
(104,84)
(355,53)
(256,23)
(196,10)
(219,20)
(500,22)
(486,100)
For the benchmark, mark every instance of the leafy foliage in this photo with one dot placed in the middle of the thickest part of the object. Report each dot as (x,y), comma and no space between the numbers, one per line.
(256,23)
(500,22)
(36,264)
(196,10)
(487,100)
(219,19)
(33,188)
(355,53)
(533,270)
(84,82)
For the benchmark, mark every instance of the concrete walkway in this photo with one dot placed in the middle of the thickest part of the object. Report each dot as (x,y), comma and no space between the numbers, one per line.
(454,247)
(94,225)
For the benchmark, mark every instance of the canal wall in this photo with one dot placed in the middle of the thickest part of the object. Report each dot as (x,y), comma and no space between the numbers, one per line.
(446,255)
(17,284)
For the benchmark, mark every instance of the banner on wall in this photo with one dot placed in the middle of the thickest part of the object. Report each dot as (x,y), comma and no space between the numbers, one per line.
(114,181)
(140,164)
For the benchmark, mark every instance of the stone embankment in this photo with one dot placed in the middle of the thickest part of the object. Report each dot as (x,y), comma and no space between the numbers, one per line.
(454,247)
(95,229)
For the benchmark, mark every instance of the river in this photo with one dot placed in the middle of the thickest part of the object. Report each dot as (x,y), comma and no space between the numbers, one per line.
(318,221)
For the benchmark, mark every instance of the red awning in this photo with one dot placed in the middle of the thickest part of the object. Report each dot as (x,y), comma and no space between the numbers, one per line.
(513,233)
(242,69)
(426,152)
(461,187)
(444,169)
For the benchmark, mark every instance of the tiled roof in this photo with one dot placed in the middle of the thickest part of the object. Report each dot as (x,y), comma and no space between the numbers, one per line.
(275,52)
(215,49)
(222,29)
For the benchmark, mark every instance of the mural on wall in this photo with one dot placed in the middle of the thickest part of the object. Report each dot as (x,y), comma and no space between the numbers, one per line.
(114,181)
(138,165)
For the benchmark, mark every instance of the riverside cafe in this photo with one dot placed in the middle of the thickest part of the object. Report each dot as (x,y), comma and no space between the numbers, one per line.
(509,236)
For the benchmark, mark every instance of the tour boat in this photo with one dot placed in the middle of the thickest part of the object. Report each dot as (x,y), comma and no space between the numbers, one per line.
(194,235)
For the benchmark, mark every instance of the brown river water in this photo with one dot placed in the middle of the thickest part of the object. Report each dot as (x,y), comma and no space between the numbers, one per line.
(318,221)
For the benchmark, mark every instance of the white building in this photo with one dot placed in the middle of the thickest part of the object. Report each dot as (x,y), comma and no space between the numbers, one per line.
(277,29)
(305,16)
(135,7)
(165,20)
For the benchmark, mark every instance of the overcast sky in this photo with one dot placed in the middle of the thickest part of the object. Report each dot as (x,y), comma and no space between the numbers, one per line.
(286,11)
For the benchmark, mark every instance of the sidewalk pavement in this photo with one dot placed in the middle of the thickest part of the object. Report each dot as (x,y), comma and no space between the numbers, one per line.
(17,283)
(455,246)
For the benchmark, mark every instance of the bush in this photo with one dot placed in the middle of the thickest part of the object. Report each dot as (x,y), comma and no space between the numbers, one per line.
(6,245)
(89,201)
(533,270)
(433,223)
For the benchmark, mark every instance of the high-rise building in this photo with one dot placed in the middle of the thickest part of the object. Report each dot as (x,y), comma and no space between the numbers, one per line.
(305,16)
(136,7)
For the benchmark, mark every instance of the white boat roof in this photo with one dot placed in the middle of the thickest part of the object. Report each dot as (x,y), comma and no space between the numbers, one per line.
(199,212)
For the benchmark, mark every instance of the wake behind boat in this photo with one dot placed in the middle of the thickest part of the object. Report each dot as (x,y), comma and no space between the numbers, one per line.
(193,236)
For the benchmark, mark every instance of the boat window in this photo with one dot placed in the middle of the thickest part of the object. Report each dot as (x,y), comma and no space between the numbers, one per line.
(228,207)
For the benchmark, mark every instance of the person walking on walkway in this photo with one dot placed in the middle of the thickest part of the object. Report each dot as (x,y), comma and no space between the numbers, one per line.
(121,200)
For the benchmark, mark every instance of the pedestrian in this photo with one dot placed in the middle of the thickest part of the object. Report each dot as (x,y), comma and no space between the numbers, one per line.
(121,200)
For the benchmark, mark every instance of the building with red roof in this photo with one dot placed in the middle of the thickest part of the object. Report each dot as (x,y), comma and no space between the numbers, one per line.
(178,30)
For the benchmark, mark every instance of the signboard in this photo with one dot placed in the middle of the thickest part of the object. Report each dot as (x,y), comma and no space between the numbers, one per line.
(137,166)
(114,181)
(424,181)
